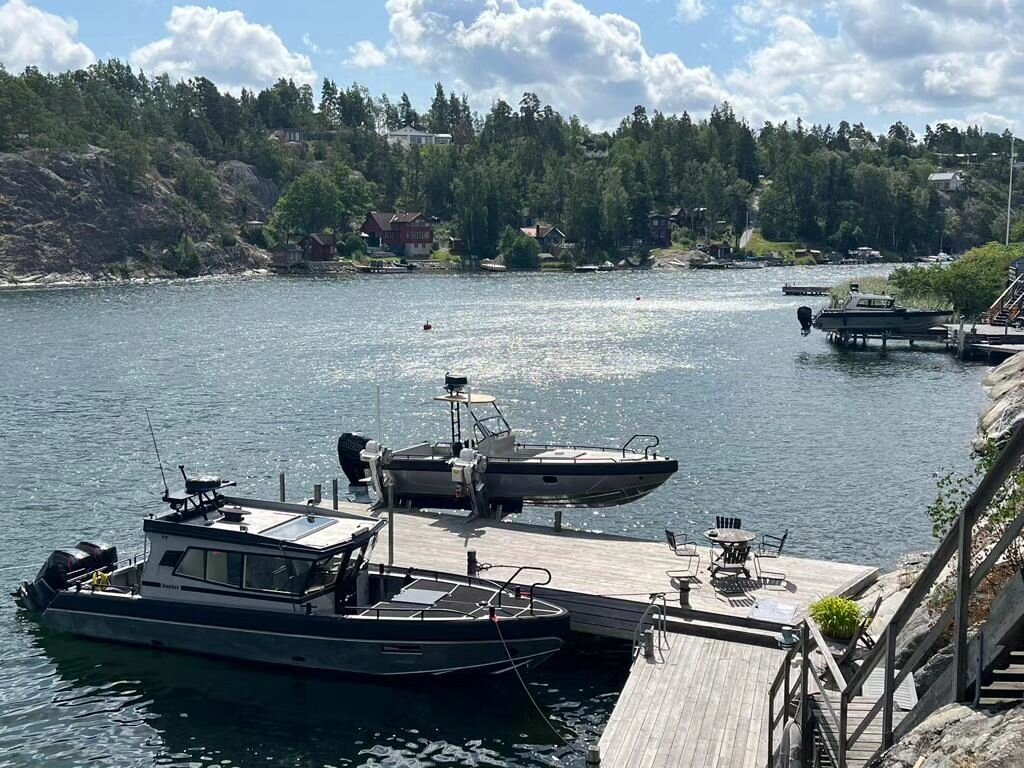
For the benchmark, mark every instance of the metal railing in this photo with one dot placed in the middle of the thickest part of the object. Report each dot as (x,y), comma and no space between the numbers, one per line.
(657,621)
(956,543)
(1015,291)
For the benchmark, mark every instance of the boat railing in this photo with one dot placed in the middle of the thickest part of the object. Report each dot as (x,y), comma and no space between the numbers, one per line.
(124,562)
(422,612)
(517,591)
(623,450)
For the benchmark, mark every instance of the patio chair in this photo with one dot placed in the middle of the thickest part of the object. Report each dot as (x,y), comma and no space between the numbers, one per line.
(728,522)
(732,560)
(770,548)
(685,547)
(861,634)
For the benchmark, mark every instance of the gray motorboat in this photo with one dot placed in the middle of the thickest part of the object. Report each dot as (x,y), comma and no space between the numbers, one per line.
(291,585)
(484,467)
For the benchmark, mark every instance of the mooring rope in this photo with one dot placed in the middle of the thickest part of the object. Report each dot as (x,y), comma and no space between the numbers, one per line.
(529,695)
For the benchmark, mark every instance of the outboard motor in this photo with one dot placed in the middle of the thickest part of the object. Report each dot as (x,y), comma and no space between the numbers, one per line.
(60,568)
(350,444)
(805,315)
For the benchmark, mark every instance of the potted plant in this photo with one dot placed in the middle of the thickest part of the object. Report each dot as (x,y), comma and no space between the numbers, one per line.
(837,617)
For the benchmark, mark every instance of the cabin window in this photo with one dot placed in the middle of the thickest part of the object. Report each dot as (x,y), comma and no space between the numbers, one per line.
(192,564)
(171,557)
(224,567)
(325,572)
(276,574)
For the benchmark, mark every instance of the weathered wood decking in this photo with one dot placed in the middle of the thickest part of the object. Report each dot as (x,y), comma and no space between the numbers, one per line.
(703,702)
(600,567)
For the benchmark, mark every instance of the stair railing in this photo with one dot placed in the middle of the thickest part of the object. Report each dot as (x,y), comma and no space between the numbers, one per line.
(1014,290)
(956,542)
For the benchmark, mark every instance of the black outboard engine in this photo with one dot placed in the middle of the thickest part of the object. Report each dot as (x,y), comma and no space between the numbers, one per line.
(350,444)
(60,568)
(806,316)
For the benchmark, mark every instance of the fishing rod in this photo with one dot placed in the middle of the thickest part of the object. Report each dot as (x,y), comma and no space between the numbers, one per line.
(157,451)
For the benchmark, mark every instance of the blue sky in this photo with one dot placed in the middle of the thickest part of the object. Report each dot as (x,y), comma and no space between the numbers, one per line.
(874,61)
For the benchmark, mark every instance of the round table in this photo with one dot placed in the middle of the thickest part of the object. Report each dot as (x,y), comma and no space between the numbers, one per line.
(730,536)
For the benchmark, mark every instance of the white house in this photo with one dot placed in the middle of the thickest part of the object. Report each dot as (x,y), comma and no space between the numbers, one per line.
(412,137)
(946,181)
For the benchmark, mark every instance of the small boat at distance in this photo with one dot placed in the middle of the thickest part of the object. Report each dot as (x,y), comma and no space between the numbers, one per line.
(384,267)
(872,313)
(484,467)
(490,265)
(291,585)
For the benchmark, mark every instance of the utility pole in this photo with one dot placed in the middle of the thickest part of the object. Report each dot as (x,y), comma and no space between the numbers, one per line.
(1009,192)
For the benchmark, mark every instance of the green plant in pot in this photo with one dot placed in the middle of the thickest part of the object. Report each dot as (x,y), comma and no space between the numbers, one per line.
(837,617)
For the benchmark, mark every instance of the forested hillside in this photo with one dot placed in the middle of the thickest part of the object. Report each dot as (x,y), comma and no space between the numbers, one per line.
(835,186)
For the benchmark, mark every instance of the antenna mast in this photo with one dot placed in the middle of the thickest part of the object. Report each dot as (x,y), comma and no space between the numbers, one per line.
(159,461)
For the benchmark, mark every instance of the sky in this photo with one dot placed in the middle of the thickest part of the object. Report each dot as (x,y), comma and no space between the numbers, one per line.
(870,61)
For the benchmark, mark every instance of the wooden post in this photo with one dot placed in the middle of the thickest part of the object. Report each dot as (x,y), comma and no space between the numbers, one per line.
(806,729)
(317,494)
(843,718)
(334,493)
(558,520)
(963,596)
(890,674)
(471,562)
(593,756)
(280,482)
(960,341)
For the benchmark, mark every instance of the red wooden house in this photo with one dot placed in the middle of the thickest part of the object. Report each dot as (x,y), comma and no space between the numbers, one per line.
(407,234)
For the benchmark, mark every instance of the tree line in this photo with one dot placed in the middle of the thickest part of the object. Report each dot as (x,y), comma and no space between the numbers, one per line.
(839,187)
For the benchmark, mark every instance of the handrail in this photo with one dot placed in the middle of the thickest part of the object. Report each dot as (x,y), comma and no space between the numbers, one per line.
(647,448)
(659,622)
(994,310)
(837,674)
(956,542)
(519,569)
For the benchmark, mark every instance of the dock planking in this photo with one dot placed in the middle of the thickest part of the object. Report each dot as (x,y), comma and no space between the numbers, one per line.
(603,580)
(702,703)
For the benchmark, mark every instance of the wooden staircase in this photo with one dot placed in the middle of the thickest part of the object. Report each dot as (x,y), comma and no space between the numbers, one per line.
(1007,309)
(841,726)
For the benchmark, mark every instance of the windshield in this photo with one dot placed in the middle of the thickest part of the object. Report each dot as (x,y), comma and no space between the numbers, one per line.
(489,422)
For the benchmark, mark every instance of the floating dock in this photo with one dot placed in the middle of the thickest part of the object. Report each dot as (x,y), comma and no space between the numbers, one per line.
(702,699)
(806,290)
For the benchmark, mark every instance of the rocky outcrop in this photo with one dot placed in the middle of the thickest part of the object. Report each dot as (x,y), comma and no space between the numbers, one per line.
(958,735)
(1005,386)
(75,215)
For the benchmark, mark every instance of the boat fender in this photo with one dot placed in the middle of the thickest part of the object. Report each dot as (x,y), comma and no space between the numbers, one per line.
(805,315)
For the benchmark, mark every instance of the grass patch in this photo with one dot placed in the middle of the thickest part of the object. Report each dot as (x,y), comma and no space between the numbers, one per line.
(444,255)
(761,247)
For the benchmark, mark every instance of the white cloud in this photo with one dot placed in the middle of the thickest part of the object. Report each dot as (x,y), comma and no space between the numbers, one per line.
(310,43)
(690,10)
(31,37)
(365,55)
(593,65)
(224,47)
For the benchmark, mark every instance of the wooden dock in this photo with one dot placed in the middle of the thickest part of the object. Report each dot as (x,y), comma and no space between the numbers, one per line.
(702,700)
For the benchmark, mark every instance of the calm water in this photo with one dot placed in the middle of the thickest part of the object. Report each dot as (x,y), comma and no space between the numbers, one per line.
(252,377)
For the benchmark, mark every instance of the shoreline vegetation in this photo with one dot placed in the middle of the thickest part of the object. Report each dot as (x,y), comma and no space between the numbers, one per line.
(106,169)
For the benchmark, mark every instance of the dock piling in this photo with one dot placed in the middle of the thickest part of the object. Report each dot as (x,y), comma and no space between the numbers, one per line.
(684,593)
(334,493)
(558,520)
(280,481)
(471,563)
(593,756)
(317,493)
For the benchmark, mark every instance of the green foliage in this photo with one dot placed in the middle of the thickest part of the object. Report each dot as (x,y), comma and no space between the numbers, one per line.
(837,617)
(312,203)
(184,260)
(520,251)
(351,246)
(194,182)
(969,284)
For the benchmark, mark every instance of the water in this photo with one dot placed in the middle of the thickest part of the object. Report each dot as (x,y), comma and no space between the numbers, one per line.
(252,377)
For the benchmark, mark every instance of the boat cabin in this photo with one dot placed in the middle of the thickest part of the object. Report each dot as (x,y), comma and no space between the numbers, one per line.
(867,301)
(212,548)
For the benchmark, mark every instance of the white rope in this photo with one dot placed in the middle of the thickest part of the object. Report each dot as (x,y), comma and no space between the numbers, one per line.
(529,695)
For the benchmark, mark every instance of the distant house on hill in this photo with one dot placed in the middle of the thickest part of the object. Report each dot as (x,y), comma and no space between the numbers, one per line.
(549,238)
(677,216)
(413,137)
(659,233)
(285,257)
(320,246)
(409,234)
(946,181)
(457,246)
(289,135)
